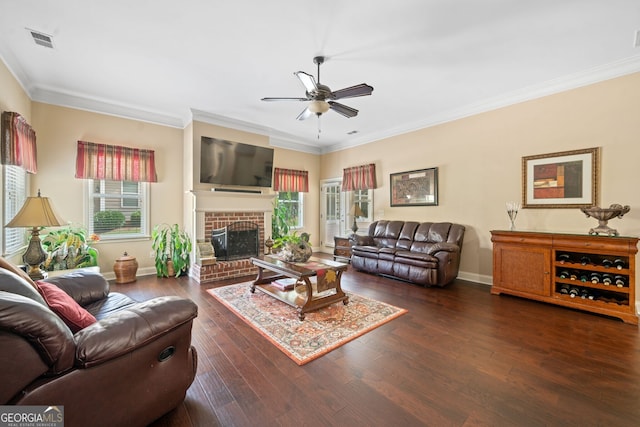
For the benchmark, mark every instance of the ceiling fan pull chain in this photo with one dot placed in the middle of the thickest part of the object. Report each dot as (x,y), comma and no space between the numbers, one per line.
(319,130)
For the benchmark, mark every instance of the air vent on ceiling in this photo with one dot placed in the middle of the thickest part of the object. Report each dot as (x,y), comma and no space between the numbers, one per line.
(41,38)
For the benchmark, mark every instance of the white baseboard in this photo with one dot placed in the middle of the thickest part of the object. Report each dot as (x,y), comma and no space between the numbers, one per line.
(474,277)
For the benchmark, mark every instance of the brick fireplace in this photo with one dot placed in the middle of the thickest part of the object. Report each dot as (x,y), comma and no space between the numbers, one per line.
(218,210)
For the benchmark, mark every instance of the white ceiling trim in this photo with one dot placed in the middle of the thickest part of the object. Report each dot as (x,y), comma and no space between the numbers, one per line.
(276,139)
(80,102)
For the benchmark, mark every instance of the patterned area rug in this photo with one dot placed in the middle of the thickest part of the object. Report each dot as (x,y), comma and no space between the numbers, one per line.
(319,333)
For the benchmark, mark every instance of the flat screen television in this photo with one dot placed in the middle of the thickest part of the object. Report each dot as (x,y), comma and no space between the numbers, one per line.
(225,162)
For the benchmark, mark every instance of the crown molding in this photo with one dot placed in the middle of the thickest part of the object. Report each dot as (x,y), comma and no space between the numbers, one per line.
(291,144)
(16,70)
(228,122)
(276,138)
(65,99)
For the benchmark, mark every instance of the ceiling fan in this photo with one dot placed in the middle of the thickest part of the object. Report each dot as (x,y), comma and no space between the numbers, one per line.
(321,98)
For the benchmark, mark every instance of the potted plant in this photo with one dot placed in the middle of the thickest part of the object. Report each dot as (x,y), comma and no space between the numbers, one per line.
(294,247)
(69,248)
(279,220)
(172,247)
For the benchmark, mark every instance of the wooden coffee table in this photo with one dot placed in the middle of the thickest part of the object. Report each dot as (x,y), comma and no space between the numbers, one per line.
(316,293)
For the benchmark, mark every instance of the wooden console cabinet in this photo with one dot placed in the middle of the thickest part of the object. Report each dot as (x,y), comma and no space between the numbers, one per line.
(592,273)
(342,249)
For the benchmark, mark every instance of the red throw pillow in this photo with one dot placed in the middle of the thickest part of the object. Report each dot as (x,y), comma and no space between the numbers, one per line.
(74,316)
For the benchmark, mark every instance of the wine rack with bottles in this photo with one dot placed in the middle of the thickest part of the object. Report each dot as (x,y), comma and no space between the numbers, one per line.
(592,273)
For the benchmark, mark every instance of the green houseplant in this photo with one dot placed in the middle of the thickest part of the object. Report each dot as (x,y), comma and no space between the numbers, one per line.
(172,247)
(69,248)
(279,220)
(293,247)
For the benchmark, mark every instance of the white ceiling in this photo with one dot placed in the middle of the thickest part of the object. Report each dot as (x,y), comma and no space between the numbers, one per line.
(429,61)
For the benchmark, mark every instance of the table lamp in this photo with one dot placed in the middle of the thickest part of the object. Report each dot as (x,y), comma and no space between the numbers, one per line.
(37,212)
(356,212)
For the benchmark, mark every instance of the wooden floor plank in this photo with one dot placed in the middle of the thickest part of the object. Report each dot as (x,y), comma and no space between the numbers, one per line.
(459,357)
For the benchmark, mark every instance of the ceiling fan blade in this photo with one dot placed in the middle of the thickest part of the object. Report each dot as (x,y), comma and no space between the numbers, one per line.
(307,81)
(343,109)
(284,99)
(304,115)
(362,89)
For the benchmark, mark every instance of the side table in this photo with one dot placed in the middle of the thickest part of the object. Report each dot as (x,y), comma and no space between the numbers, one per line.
(342,248)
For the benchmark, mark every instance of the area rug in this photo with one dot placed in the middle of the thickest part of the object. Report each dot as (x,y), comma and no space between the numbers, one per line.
(319,333)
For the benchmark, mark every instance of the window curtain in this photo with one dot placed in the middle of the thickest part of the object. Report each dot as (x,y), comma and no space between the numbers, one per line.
(359,177)
(115,163)
(18,142)
(291,180)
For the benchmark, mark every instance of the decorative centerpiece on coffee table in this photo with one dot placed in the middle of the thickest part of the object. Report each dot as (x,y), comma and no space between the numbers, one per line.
(293,247)
(603,215)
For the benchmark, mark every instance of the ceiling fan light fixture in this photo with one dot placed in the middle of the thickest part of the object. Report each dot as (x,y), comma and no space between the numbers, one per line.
(319,107)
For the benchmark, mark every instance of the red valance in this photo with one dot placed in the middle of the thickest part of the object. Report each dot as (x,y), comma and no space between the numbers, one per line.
(359,177)
(115,163)
(291,180)
(18,142)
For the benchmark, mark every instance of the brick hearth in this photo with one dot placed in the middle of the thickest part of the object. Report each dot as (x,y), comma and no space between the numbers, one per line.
(222,270)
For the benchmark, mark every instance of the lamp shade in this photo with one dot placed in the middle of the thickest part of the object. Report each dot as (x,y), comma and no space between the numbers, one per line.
(37,212)
(356,211)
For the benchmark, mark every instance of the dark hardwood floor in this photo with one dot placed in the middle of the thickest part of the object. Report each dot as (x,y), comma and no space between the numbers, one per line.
(459,357)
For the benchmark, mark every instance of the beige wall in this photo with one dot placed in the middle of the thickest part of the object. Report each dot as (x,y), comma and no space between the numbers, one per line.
(479,161)
(59,129)
(282,158)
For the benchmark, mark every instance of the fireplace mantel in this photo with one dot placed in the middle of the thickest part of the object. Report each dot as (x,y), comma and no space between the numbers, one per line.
(217,207)
(229,201)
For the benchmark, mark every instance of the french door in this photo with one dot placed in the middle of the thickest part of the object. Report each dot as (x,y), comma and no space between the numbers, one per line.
(332,216)
(336,215)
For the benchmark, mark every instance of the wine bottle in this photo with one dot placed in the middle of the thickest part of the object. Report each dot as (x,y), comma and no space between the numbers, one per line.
(564,258)
(595,277)
(573,292)
(584,260)
(619,263)
(607,262)
(564,289)
(584,294)
(564,274)
(607,279)
(584,277)
(620,281)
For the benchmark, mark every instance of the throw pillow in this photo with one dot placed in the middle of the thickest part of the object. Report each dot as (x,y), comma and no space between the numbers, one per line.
(71,313)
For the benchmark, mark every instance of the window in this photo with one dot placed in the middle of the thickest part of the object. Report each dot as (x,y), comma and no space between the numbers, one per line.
(117,209)
(364,199)
(129,189)
(293,201)
(15,194)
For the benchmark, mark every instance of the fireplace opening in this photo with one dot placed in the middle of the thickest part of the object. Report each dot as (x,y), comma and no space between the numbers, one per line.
(239,240)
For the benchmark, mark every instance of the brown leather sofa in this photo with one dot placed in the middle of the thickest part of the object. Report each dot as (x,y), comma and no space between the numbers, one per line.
(130,367)
(425,253)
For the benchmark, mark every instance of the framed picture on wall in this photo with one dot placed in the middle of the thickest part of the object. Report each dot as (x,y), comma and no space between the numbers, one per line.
(568,179)
(415,188)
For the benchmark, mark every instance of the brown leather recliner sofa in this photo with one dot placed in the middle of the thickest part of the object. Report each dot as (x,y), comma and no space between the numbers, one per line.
(130,367)
(426,253)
